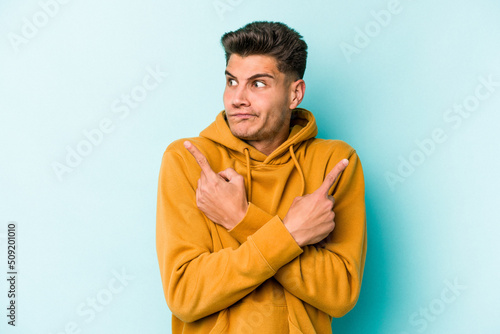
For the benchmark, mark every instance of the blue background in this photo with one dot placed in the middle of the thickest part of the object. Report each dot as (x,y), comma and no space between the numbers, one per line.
(432,206)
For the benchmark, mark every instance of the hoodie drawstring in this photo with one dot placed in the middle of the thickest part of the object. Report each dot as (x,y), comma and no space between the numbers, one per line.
(292,153)
(295,162)
(249,174)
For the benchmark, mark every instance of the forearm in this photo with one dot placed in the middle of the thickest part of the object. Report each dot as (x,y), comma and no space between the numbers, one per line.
(329,281)
(198,283)
(199,280)
(327,277)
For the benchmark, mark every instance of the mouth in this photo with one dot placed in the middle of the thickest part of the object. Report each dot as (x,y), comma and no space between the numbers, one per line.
(242,116)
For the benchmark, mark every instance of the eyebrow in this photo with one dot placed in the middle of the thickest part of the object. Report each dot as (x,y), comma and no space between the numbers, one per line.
(255,76)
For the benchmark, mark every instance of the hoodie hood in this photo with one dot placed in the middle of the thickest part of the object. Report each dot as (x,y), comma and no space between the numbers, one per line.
(302,127)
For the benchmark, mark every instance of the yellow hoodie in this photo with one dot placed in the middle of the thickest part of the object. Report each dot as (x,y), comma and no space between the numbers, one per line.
(255,278)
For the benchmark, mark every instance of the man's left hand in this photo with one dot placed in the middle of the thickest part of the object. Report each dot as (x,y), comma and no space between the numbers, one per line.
(220,196)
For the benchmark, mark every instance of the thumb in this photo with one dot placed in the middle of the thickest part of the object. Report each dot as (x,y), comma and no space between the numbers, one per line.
(229,175)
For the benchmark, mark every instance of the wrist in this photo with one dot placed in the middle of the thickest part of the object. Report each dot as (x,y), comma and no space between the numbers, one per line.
(237,217)
(293,232)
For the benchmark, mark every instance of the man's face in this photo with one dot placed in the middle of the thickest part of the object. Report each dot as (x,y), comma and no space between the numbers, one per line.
(257,99)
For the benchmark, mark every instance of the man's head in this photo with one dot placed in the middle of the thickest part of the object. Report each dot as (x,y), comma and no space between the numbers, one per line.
(265,63)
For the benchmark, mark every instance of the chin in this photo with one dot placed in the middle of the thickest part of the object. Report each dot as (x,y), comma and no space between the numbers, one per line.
(242,132)
(242,135)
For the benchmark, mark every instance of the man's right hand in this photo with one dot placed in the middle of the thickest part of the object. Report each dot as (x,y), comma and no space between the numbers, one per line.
(310,218)
(220,196)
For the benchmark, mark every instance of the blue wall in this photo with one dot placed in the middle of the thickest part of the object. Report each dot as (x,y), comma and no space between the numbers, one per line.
(414,86)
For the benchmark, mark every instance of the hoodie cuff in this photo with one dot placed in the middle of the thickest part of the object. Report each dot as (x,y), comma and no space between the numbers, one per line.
(275,243)
(254,219)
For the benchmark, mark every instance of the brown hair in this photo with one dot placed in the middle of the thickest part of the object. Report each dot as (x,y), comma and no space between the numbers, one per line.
(274,39)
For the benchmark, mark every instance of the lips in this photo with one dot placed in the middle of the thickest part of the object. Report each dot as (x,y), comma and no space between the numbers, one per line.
(242,115)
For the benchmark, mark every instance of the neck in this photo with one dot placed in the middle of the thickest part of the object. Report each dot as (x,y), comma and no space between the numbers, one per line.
(268,146)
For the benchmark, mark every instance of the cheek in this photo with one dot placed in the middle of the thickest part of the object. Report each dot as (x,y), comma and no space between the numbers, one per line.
(225,98)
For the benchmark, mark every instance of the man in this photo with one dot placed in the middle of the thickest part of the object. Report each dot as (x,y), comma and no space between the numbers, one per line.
(261,227)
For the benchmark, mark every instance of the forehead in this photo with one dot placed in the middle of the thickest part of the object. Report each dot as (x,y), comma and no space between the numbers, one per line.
(253,64)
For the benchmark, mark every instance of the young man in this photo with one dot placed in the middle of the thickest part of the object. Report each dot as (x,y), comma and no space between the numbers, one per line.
(261,227)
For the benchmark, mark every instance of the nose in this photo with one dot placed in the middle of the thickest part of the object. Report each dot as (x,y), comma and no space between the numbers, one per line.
(240,98)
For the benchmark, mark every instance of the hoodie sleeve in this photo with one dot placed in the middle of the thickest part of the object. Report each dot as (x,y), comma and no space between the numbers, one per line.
(326,275)
(254,219)
(197,280)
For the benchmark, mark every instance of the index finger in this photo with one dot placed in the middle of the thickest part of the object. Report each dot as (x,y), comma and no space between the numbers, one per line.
(332,176)
(199,157)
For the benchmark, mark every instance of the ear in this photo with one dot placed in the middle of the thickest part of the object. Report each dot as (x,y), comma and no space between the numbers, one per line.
(297,90)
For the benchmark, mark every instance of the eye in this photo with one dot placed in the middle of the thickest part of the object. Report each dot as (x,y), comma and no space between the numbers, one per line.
(231,82)
(259,84)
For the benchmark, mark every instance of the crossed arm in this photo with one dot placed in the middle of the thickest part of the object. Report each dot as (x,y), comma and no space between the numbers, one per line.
(222,198)
(188,264)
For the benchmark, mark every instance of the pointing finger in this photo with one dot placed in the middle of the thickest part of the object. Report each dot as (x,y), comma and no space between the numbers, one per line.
(332,177)
(199,157)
